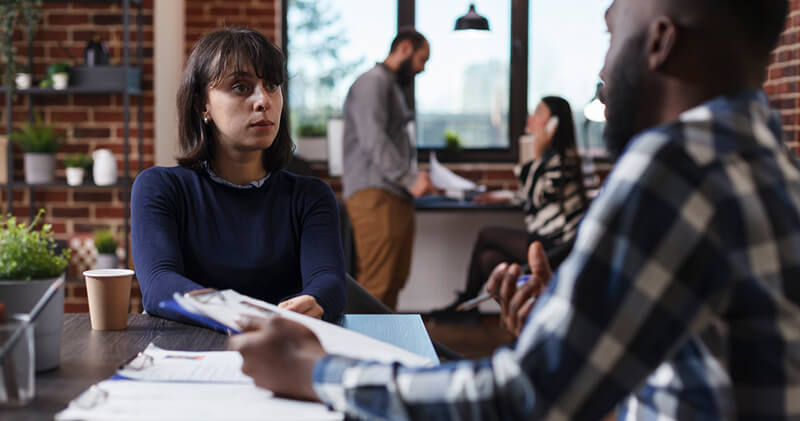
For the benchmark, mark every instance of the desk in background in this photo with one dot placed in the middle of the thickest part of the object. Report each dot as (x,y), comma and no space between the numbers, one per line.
(89,356)
(445,233)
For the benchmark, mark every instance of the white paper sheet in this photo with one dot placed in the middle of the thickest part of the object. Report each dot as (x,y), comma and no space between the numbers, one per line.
(229,305)
(128,400)
(444,179)
(162,365)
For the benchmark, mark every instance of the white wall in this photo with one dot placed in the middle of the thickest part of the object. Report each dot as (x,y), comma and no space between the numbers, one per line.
(440,261)
(169,22)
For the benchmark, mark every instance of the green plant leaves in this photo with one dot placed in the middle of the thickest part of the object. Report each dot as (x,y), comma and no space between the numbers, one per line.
(26,253)
(38,137)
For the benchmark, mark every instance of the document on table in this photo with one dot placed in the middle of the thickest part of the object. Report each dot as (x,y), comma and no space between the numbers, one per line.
(162,365)
(227,306)
(142,400)
(453,184)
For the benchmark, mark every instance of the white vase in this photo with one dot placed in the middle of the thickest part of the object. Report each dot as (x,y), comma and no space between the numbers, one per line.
(22,80)
(20,297)
(60,80)
(75,176)
(105,167)
(39,168)
(106,261)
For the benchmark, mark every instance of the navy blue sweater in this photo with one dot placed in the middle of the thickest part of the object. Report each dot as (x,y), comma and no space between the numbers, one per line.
(272,242)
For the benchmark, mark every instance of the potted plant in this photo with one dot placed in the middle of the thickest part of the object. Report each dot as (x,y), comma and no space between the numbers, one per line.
(23,78)
(76,166)
(40,142)
(29,264)
(452,141)
(106,247)
(58,73)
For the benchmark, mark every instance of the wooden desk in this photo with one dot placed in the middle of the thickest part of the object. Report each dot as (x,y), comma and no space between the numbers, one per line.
(89,356)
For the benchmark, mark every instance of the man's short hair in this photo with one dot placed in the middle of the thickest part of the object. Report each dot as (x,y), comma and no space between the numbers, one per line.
(760,22)
(408,34)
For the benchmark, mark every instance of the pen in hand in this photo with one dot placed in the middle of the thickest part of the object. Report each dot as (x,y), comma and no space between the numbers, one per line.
(475,302)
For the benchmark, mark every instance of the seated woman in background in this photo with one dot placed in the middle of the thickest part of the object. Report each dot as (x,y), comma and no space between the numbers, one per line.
(228,216)
(553,197)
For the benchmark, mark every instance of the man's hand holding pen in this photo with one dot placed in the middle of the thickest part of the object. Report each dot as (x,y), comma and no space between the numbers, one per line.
(517,301)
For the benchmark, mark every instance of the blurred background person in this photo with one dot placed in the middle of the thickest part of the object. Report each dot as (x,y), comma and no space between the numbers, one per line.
(553,197)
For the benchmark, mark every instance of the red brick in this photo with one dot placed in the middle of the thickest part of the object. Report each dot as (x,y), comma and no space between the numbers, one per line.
(89,228)
(70,116)
(70,19)
(50,195)
(75,148)
(51,35)
(77,291)
(92,100)
(52,100)
(84,35)
(76,307)
(72,212)
(109,212)
(111,19)
(148,133)
(92,196)
(106,116)
(94,132)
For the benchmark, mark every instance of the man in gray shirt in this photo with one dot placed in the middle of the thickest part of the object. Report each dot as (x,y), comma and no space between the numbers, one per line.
(380,172)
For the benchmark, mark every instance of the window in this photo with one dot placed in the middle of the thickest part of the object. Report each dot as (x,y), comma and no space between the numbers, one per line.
(464,91)
(477,89)
(568,42)
(329,44)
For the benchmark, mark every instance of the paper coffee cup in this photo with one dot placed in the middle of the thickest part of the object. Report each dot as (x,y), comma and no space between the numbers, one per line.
(109,292)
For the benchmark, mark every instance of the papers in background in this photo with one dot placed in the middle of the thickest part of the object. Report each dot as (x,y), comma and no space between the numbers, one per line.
(453,184)
(228,306)
(141,400)
(162,365)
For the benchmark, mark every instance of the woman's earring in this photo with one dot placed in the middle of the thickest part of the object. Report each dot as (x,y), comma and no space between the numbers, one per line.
(205,120)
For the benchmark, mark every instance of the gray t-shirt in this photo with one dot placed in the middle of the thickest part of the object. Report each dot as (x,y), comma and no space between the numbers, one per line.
(378,151)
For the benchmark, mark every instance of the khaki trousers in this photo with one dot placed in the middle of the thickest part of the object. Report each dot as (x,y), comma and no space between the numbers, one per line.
(383,227)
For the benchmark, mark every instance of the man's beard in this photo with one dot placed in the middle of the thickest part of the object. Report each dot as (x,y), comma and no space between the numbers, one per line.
(622,97)
(405,73)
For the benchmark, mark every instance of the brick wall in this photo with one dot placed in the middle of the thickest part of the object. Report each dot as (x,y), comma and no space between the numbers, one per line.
(784,75)
(207,16)
(88,121)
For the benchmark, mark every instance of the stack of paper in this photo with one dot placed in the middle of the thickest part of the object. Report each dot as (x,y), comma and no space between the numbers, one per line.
(227,306)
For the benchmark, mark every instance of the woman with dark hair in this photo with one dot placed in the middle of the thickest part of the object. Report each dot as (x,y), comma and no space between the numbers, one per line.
(553,197)
(229,216)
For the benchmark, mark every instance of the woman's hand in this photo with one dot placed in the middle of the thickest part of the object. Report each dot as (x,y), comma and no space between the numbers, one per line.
(303,304)
(279,355)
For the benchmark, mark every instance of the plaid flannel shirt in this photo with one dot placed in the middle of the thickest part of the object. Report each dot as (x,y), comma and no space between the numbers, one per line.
(680,300)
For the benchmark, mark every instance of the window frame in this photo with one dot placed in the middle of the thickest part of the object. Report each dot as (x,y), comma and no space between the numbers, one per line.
(518,85)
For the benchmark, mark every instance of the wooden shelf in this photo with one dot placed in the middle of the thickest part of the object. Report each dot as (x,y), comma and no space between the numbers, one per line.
(63,185)
(87,90)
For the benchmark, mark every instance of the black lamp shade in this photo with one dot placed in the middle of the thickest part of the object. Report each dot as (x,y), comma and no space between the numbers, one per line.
(472,20)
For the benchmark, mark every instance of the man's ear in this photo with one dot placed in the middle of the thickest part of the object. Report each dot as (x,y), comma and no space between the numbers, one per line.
(406,48)
(661,40)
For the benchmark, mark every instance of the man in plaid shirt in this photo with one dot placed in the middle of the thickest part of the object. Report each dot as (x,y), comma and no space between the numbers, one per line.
(681,298)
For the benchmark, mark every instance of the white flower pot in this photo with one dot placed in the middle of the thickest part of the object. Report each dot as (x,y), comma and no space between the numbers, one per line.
(22,80)
(39,168)
(20,297)
(75,176)
(106,261)
(60,80)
